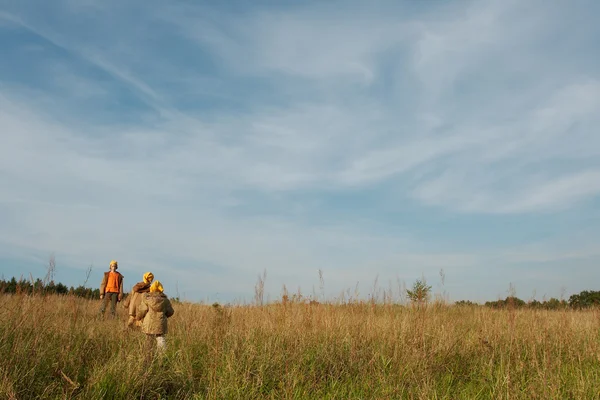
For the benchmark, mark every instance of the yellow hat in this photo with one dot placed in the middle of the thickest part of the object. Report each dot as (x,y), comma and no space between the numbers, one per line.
(148,277)
(113,262)
(156,287)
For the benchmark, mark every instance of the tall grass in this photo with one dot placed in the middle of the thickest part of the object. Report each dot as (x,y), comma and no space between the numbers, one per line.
(57,347)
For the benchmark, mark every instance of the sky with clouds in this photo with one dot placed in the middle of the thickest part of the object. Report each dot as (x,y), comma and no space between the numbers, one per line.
(379,142)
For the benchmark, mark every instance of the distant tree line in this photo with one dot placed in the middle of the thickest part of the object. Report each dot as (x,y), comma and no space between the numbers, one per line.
(420,293)
(584,299)
(25,286)
(515,302)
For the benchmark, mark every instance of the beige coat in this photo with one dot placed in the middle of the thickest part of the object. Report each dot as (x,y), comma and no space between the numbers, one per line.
(154,308)
(136,296)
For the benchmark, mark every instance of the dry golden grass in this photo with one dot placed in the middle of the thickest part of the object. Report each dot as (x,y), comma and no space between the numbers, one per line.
(56,347)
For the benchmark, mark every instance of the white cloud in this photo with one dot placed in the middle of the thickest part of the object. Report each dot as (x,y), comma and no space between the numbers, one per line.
(323,44)
(560,129)
(559,193)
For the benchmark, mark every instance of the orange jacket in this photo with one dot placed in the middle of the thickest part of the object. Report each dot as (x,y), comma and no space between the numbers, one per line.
(105,281)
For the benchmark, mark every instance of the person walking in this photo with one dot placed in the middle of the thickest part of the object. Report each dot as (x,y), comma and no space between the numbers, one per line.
(136,296)
(111,288)
(154,310)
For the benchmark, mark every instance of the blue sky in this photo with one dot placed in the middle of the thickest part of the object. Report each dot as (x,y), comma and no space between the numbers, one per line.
(379,140)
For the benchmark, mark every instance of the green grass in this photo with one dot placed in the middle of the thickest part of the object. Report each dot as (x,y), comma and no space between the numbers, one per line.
(56,347)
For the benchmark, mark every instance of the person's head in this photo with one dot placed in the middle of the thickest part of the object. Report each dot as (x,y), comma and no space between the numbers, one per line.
(156,287)
(148,277)
(113,265)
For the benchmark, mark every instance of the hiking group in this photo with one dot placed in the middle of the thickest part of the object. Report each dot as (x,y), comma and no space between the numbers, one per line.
(148,306)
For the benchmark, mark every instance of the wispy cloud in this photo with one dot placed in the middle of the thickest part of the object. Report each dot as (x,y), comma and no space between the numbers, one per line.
(515,169)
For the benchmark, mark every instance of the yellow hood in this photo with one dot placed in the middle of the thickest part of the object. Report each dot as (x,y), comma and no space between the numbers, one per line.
(156,287)
(148,277)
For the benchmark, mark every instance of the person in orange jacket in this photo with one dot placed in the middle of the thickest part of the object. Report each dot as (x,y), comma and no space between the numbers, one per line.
(111,288)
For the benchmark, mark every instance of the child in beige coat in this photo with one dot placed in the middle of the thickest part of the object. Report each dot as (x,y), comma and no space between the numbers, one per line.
(153,311)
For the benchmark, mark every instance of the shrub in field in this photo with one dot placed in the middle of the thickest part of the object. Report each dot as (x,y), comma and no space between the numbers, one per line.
(420,293)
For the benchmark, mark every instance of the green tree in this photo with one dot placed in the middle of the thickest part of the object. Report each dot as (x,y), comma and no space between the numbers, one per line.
(12,285)
(420,292)
(61,289)
(585,299)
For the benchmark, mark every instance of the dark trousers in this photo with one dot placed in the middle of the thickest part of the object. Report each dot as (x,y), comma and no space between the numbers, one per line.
(112,297)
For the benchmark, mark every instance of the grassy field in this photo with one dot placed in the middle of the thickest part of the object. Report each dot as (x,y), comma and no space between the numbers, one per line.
(56,347)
